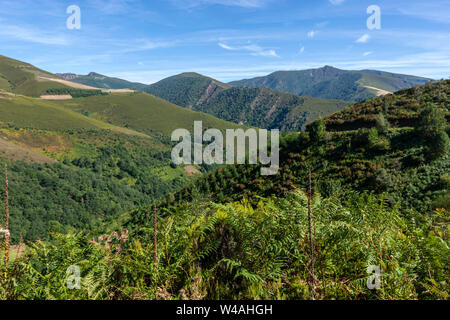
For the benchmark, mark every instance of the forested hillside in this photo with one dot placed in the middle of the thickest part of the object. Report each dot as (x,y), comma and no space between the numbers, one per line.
(333,83)
(411,164)
(258,107)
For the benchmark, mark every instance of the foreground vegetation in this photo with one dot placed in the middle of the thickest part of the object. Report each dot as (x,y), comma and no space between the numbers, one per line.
(239,251)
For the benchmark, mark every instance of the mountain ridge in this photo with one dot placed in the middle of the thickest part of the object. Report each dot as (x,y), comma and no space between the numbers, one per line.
(333,83)
(260,107)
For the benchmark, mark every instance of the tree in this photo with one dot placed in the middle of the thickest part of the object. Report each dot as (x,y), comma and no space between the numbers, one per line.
(439,145)
(382,124)
(431,121)
(316,130)
(432,126)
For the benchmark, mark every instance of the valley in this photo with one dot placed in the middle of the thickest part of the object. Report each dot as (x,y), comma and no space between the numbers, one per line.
(88,165)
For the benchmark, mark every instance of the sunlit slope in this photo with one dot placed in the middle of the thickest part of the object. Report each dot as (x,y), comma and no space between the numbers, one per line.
(23,78)
(142,112)
(27,112)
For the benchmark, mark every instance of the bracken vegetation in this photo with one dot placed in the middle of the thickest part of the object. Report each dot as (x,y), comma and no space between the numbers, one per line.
(380,197)
(240,251)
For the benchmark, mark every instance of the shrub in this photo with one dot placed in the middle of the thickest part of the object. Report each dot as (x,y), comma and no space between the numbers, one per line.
(382,124)
(439,145)
(316,130)
(382,180)
(431,121)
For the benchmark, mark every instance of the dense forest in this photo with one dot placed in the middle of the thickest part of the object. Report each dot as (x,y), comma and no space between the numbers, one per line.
(258,107)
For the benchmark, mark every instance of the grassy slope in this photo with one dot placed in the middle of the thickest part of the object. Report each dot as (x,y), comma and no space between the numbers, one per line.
(23,78)
(101,81)
(143,112)
(34,113)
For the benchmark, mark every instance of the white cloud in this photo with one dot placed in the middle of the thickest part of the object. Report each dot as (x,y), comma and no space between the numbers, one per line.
(143,45)
(302,49)
(254,49)
(428,64)
(437,11)
(25,34)
(336,2)
(363,39)
(311,34)
(268,53)
(224,46)
(367,53)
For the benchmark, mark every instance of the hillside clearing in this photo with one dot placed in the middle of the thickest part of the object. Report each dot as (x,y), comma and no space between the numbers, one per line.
(83,86)
(11,151)
(56,97)
(380,92)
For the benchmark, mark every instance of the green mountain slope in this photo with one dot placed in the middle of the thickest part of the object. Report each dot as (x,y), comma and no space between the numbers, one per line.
(23,78)
(61,151)
(333,83)
(266,108)
(399,160)
(142,112)
(101,81)
(187,89)
(260,107)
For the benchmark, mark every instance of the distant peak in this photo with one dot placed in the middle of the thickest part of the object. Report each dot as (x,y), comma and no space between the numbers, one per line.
(190,74)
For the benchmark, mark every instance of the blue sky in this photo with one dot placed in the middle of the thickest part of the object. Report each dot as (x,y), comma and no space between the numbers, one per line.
(148,40)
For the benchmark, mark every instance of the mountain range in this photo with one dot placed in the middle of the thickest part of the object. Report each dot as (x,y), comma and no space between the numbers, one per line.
(286,100)
(333,83)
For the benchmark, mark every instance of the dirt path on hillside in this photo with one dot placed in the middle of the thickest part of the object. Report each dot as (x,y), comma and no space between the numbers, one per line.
(55,97)
(380,92)
(85,87)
